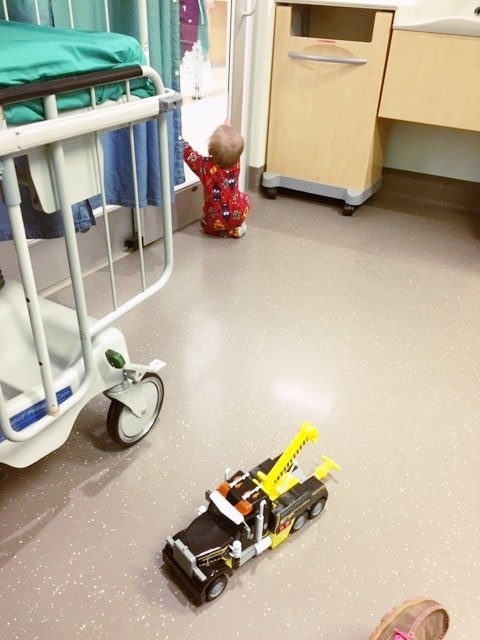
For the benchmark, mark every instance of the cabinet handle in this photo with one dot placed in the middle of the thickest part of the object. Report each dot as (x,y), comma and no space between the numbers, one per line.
(316,58)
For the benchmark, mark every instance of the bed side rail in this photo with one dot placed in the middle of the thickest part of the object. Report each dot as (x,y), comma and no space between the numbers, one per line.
(41,89)
(16,141)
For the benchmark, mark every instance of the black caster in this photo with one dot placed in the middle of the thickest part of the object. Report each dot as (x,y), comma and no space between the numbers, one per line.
(348,209)
(271,192)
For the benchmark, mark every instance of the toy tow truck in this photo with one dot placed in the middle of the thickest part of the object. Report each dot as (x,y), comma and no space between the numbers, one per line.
(246,515)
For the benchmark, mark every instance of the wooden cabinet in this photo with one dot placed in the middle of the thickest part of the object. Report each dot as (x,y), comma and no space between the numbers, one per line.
(323,134)
(433,79)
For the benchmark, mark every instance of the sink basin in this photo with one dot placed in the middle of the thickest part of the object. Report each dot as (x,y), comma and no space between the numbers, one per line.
(455,17)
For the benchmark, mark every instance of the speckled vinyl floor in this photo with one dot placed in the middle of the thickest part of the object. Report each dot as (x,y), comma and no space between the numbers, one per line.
(369,327)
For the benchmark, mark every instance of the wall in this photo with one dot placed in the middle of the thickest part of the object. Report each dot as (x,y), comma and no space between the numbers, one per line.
(433,150)
(412,147)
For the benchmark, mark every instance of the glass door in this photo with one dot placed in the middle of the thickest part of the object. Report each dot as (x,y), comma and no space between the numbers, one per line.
(215,38)
(204,41)
(240,64)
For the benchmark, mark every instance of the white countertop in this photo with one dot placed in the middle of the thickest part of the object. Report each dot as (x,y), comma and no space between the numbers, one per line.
(364,4)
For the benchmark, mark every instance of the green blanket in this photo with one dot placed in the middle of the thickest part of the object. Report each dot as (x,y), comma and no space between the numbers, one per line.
(29,53)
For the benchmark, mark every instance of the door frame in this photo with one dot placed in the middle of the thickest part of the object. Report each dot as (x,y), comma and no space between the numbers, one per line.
(241,23)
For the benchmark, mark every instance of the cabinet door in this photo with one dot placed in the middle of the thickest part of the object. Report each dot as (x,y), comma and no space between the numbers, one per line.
(433,79)
(323,106)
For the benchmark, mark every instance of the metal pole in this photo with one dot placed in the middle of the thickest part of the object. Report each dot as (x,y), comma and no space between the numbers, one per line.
(13,200)
(65,207)
(108,240)
(107,15)
(70,15)
(138,218)
(143,28)
(37,12)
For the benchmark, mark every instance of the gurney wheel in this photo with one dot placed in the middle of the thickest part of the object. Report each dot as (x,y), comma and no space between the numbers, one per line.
(125,427)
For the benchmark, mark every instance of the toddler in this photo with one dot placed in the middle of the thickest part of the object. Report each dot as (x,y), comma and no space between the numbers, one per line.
(225,207)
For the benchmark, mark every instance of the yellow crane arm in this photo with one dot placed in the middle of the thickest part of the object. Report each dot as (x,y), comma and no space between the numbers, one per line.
(270,481)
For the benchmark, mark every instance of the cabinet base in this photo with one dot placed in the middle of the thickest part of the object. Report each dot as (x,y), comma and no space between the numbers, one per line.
(352,197)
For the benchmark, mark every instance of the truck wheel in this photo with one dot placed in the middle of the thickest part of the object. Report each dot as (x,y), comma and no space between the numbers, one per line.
(300,521)
(317,508)
(216,587)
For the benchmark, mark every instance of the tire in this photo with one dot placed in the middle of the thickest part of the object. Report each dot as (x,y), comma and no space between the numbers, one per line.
(216,587)
(317,508)
(299,521)
(126,428)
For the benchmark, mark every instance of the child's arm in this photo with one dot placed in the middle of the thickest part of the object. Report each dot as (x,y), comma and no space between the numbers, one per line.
(193,159)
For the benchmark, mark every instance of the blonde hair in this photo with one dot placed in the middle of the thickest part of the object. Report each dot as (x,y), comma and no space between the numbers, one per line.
(225,146)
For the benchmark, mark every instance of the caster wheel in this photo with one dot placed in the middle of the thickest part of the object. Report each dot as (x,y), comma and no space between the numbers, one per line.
(123,426)
(271,192)
(348,209)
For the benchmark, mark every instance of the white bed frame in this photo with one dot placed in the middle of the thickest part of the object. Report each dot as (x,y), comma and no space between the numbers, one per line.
(57,358)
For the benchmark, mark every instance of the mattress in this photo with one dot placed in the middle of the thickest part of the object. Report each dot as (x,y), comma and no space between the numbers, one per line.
(33,53)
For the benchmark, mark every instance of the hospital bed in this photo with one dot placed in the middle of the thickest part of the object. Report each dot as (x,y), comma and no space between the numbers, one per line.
(56,358)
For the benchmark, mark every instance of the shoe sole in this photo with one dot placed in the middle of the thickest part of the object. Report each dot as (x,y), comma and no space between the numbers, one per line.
(386,629)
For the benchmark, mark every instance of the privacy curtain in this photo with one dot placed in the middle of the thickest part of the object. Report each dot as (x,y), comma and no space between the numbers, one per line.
(164,43)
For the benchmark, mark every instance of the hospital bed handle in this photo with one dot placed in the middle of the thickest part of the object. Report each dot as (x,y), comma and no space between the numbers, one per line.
(67,83)
(317,58)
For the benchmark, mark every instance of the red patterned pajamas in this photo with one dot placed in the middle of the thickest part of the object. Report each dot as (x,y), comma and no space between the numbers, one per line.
(224,207)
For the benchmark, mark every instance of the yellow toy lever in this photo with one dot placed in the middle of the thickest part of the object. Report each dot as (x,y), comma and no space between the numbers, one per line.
(324,469)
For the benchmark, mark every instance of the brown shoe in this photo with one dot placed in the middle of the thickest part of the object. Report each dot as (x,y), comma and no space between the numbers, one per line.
(419,619)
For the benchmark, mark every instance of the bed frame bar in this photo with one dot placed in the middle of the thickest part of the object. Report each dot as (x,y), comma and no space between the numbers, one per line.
(68,83)
(15,141)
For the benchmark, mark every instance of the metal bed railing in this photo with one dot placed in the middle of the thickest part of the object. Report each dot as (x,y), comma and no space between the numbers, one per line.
(16,141)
